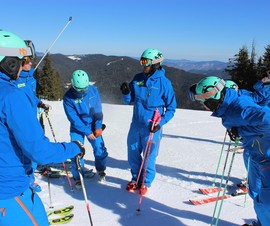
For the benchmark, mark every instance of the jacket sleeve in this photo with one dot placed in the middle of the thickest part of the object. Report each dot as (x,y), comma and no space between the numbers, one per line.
(257,121)
(98,115)
(169,102)
(73,117)
(29,136)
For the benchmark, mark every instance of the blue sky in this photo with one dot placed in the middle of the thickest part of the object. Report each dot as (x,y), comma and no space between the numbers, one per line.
(181,29)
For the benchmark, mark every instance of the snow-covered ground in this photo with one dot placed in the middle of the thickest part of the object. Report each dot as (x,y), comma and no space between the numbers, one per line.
(187,161)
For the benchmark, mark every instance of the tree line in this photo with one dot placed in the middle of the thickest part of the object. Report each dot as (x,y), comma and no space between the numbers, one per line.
(245,69)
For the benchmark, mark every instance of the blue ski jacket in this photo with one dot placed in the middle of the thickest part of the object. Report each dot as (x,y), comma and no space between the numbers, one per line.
(83,110)
(21,137)
(27,83)
(252,121)
(262,89)
(149,93)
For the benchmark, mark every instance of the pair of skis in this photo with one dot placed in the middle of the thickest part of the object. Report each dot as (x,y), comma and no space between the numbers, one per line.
(212,190)
(64,215)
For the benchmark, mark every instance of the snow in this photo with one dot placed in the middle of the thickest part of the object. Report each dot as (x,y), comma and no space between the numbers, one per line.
(188,157)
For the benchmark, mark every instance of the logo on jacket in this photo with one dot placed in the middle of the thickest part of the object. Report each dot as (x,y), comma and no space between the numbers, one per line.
(78,101)
(140,83)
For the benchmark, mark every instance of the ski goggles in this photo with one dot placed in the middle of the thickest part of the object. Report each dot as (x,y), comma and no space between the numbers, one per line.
(30,49)
(145,62)
(204,96)
(148,62)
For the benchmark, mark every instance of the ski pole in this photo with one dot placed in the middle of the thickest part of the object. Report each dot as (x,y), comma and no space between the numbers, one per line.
(70,18)
(48,170)
(155,121)
(79,167)
(226,184)
(221,153)
(247,181)
(145,160)
(63,164)
(49,184)
(221,181)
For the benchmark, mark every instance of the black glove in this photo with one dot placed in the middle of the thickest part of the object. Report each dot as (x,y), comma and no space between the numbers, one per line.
(155,128)
(82,148)
(233,133)
(46,107)
(125,88)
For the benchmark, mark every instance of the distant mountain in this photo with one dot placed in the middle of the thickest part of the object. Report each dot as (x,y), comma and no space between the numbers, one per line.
(213,67)
(109,72)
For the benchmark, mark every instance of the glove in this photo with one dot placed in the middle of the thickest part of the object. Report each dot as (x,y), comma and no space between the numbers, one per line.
(155,128)
(125,88)
(46,107)
(82,148)
(233,133)
(98,132)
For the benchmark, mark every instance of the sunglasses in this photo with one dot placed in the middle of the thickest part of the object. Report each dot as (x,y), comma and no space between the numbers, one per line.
(145,62)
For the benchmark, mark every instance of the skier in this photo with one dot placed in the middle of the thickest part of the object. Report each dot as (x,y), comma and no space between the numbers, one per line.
(148,90)
(27,83)
(242,117)
(83,109)
(22,137)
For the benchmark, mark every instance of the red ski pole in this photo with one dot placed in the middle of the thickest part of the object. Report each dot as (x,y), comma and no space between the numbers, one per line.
(155,121)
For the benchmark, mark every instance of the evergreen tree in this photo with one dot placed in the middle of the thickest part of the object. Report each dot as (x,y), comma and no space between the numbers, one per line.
(243,70)
(50,85)
(266,59)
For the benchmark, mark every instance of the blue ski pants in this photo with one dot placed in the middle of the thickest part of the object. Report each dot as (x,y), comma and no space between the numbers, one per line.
(99,150)
(24,210)
(137,142)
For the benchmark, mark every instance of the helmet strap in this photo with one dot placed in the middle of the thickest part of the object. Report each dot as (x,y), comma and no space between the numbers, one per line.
(10,66)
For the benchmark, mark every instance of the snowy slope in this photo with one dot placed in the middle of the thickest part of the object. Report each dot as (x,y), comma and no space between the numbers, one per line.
(187,160)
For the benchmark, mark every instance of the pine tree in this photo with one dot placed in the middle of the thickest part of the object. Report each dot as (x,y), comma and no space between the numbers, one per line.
(50,85)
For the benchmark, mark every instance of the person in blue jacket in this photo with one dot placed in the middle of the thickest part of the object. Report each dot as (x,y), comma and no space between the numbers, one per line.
(22,137)
(242,117)
(83,109)
(27,83)
(149,90)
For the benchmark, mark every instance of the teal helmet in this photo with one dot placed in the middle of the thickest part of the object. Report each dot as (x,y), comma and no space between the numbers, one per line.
(231,84)
(80,80)
(12,50)
(12,45)
(154,55)
(210,91)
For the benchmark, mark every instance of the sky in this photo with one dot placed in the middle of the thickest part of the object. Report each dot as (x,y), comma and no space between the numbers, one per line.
(180,29)
(187,160)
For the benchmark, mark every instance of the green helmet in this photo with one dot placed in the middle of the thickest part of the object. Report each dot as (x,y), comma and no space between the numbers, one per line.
(209,88)
(154,55)
(12,45)
(80,80)
(231,84)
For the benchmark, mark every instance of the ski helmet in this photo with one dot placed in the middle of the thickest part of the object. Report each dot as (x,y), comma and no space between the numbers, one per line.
(231,84)
(80,80)
(150,57)
(209,88)
(12,50)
